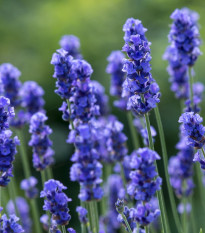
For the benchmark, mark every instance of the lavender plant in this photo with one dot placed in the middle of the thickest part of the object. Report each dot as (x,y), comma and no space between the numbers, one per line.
(118,191)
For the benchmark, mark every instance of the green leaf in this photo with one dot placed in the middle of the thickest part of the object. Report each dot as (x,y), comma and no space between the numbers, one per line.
(200,230)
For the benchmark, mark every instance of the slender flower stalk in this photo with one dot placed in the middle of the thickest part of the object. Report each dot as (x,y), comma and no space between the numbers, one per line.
(165,162)
(164,220)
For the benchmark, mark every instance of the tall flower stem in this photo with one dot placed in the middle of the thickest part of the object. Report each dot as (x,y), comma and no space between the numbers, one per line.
(93,215)
(63,229)
(126,223)
(163,215)
(191,81)
(184,216)
(43,177)
(146,229)
(165,163)
(27,174)
(12,194)
(193,224)
(134,135)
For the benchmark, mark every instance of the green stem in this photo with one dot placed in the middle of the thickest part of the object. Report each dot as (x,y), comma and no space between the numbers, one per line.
(165,163)
(163,215)
(147,229)
(68,103)
(27,174)
(134,135)
(24,155)
(63,229)
(191,81)
(200,185)
(12,194)
(35,215)
(93,216)
(184,217)
(49,173)
(43,177)
(126,223)
(193,224)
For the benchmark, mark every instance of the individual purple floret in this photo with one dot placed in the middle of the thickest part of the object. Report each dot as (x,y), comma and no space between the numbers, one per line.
(23,210)
(114,68)
(101,98)
(29,186)
(56,201)
(193,129)
(10,224)
(178,72)
(62,62)
(71,44)
(144,180)
(9,78)
(6,113)
(71,230)
(184,35)
(40,142)
(7,153)
(181,208)
(44,219)
(32,97)
(199,157)
(82,214)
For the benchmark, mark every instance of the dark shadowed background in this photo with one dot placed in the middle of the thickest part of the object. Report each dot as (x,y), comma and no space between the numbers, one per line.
(30,32)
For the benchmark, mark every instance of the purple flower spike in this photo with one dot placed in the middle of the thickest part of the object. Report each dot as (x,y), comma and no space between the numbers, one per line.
(7,153)
(6,113)
(32,97)
(23,210)
(9,78)
(56,201)
(139,79)
(40,142)
(29,186)
(10,224)
(193,129)
(184,35)
(144,179)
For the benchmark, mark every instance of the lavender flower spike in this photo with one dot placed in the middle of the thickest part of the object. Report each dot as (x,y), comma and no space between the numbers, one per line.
(56,201)
(42,152)
(7,153)
(9,78)
(23,210)
(184,35)
(193,129)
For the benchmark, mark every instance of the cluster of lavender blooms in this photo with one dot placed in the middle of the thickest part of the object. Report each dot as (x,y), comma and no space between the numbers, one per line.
(10,224)
(40,142)
(26,98)
(56,202)
(7,143)
(182,54)
(183,50)
(144,91)
(23,210)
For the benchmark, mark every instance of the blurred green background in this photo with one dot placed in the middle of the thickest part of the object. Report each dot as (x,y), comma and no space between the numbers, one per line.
(29,34)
